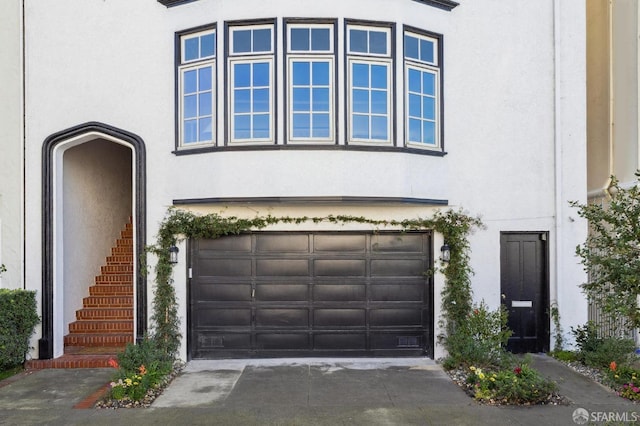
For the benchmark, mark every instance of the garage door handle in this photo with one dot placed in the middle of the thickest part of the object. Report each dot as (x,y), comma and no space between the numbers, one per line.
(253,293)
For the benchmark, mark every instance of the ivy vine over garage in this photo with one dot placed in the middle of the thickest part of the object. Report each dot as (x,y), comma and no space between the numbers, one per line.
(454,225)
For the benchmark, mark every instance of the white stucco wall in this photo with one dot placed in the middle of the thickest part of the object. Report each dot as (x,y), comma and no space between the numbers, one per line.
(11,145)
(514,118)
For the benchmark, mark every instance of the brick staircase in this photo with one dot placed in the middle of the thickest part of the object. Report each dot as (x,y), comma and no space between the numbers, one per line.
(104,325)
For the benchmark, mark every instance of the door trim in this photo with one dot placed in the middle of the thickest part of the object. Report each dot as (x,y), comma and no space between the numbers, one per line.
(50,149)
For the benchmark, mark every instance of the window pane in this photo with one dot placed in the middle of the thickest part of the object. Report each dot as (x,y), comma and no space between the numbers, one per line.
(300,39)
(207,45)
(261,100)
(301,73)
(242,100)
(378,76)
(411,47)
(204,80)
(361,101)
(379,128)
(414,106)
(190,106)
(361,126)
(378,42)
(378,102)
(360,75)
(190,81)
(320,126)
(321,99)
(241,41)
(205,129)
(321,73)
(429,108)
(261,74)
(320,39)
(429,132)
(414,81)
(262,40)
(358,41)
(428,83)
(301,99)
(191,49)
(241,127)
(190,131)
(426,51)
(204,102)
(415,127)
(241,75)
(261,126)
(301,125)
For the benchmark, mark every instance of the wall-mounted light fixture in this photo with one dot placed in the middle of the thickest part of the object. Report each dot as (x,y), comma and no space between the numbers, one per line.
(173,254)
(446,253)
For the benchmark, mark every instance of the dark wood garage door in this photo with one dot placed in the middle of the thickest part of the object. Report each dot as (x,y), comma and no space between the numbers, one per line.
(311,294)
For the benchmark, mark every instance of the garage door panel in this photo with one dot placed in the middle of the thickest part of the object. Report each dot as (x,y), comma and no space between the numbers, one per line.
(343,292)
(234,292)
(397,267)
(340,341)
(238,243)
(209,340)
(224,267)
(282,341)
(403,243)
(395,317)
(339,268)
(282,267)
(221,317)
(324,317)
(397,340)
(408,292)
(339,243)
(282,317)
(280,243)
(282,292)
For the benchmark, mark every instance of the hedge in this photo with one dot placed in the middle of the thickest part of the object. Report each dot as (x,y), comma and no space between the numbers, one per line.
(18,317)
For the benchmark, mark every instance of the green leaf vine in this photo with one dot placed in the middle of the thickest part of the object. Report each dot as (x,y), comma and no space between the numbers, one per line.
(178,224)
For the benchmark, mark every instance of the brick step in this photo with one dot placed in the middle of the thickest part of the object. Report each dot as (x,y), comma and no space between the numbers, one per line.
(108,302)
(101,326)
(111,290)
(94,350)
(123,259)
(124,242)
(114,340)
(122,250)
(114,278)
(116,269)
(105,314)
(127,233)
(72,361)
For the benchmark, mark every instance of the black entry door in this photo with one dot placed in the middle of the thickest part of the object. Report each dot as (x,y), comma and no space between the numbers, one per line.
(297,294)
(524,289)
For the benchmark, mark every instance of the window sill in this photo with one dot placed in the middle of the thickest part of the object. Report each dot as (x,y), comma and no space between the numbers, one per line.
(299,147)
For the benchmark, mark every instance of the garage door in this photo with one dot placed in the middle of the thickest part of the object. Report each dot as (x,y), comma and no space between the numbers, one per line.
(311,294)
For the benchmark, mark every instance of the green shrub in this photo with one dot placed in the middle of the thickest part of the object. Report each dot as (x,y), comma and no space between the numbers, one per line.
(518,385)
(480,340)
(564,355)
(140,367)
(600,352)
(18,317)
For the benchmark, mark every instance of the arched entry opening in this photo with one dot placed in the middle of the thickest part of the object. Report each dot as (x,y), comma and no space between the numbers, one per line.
(93,183)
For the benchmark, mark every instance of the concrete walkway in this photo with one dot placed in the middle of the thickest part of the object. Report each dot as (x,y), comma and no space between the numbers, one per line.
(401,391)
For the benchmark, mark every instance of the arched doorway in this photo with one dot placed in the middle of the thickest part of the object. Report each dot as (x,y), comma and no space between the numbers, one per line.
(93,181)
